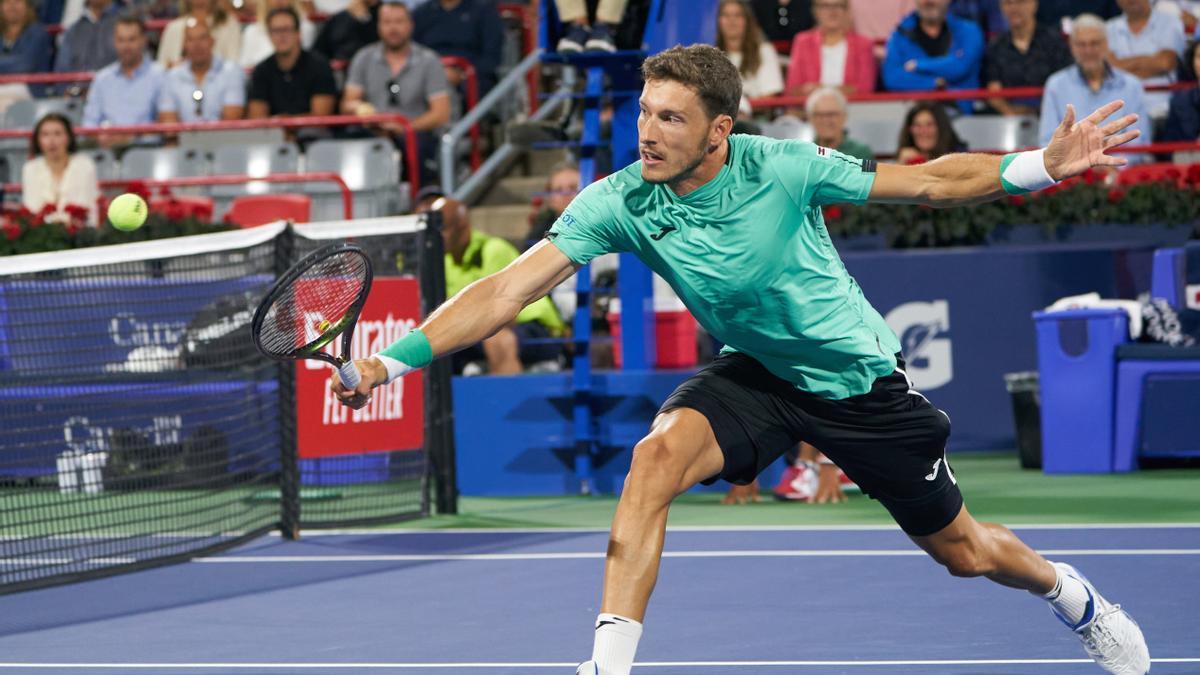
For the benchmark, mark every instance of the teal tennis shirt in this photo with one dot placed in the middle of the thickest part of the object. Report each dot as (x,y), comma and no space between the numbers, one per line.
(749,255)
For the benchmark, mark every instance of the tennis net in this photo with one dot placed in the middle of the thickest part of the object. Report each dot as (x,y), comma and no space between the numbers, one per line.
(139,426)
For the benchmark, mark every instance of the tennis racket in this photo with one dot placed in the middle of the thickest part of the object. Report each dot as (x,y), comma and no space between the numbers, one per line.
(313,303)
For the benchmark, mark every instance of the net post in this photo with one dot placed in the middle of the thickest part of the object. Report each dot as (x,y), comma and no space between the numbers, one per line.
(439,412)
(289,473)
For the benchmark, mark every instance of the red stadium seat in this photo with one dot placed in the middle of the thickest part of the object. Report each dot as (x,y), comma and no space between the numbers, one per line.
(255,210)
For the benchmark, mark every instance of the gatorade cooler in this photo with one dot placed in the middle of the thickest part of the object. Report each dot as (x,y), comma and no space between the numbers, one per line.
(674,329)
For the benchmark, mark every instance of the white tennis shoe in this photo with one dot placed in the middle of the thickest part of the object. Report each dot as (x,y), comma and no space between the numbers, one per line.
(1109,635)
(587,668)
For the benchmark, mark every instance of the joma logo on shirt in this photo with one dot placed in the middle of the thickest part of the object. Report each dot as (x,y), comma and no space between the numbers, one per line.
(666,229)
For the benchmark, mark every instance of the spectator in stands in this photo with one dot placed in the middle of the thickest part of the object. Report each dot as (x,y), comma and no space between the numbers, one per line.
(57,175)
(472,255)
(397,75)
(781,20)
(985,13)
(561,188)
(88,43)
(1183,120)
(257,41)
(931,50)
(927,134)
(1025,56)
(349,31)
(1090,82)
(1187,11)
(877,19)
(739,36)
(205,87)
(831,54)
(584,36)
(470,29)
(125,92)
(294,81)
(225,29)
(1147,44)
(826,108)
(25,47)
(1059,14)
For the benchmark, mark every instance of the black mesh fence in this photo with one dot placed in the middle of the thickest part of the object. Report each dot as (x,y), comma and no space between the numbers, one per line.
(139,426)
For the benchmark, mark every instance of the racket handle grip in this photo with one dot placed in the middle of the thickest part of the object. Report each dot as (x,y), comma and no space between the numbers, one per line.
(348,373)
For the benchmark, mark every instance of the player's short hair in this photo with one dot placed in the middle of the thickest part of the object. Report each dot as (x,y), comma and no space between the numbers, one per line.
(703,68)
(131,18)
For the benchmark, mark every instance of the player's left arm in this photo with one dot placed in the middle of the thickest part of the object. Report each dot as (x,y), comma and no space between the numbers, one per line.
(960,179)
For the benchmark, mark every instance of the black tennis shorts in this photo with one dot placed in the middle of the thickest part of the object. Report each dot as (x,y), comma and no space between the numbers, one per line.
(891,441)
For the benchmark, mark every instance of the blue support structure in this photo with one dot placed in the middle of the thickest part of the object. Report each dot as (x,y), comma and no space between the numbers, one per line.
(615,79)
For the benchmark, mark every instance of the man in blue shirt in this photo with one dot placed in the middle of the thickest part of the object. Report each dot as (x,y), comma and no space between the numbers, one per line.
(204,88)
(931,50)
(1147,44)
(1090,82)
(125,92)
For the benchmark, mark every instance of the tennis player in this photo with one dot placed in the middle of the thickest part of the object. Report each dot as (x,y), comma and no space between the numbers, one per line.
(734,224)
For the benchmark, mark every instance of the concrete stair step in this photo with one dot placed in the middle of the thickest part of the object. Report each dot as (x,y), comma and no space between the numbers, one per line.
(510,222)
(513,190)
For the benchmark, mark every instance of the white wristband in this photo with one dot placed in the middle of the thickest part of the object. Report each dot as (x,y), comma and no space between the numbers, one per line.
(395,369)
(1023,172)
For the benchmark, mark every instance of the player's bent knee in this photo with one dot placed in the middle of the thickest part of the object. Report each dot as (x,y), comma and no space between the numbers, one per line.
(657,468)
(964,559)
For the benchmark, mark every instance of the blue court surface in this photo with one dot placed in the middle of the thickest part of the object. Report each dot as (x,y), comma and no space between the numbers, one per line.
(762,601)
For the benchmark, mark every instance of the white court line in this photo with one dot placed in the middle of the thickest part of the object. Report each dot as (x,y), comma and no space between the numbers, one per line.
(597,555)
(571,664)
(722,528)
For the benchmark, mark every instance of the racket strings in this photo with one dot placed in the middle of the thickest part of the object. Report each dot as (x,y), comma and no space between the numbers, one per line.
(313,305)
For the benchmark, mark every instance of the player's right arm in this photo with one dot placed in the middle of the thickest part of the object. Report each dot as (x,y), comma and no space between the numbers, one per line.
(477,312)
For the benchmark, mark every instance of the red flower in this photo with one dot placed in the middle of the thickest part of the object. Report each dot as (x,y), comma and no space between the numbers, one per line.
(833,212)
(1115,195)
(1193,174)
(73,228)
(1091,177)
(24,212)
(173,210)
(47,210)
(1016,200)
(11,230)
(139,188)
(76,211)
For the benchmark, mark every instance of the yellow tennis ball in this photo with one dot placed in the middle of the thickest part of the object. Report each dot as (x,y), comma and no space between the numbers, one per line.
(127,212)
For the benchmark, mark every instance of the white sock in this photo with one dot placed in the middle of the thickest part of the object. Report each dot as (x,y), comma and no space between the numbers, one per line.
(1069,597)
(616,642)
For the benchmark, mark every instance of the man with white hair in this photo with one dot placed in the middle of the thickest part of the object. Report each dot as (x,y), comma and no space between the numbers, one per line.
(1091,81)
(1147,43)
(826,108)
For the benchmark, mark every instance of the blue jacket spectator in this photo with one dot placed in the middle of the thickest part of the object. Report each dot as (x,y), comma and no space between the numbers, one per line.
(1091,83)
(88,43)
(25,47)
(931,50)
(468,28)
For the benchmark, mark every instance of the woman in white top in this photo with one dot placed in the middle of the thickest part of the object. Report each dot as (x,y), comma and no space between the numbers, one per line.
(739,36)
(226,31)
(57,175)
(256,40)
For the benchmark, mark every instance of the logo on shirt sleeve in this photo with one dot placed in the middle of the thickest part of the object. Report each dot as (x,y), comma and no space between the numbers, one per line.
(823,151)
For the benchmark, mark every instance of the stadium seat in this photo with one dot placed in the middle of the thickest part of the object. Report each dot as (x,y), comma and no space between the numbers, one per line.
(881,135)
(164,163)
(370,167)
(788,127)
(255,210)
(105,161)
(259,159)
(997,132)
(25,113)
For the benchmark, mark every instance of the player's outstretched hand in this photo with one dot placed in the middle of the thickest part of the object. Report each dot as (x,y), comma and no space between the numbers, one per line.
(829,486)
(372,372)
(1079,146)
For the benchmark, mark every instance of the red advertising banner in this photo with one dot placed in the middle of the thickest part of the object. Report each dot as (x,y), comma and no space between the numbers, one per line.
(395,417)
